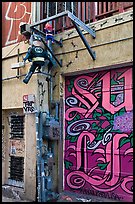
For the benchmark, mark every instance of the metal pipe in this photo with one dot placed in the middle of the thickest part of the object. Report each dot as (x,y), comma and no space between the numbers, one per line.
(81,24)
(47,9)
(38,155)
(49,19)
(56,8)
(57,111)
(79,10)
(84,11)
(43,191)
(89,12)
(43,34)
(72,7)
(92,53)
(51,89)
(71,16)
(18,52)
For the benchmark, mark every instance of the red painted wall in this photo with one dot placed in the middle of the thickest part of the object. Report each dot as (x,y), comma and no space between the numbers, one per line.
(13,15)
(98,153)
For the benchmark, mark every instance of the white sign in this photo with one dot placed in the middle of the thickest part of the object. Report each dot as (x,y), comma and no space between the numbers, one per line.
(29,103)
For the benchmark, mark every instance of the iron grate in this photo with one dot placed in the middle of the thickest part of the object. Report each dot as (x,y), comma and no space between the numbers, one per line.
(16,166)
(17,126)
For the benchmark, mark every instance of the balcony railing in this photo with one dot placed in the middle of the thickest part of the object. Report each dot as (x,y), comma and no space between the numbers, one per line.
(106,9)
(86,11)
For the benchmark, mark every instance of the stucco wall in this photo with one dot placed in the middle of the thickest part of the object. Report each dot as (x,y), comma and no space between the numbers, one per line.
(30,157)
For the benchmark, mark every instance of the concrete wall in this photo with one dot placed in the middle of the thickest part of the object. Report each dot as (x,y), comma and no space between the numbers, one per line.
(30,157)
(113,45)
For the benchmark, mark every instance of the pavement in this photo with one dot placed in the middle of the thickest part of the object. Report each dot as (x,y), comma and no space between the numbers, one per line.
(74,197)
(12,194)
(6,200)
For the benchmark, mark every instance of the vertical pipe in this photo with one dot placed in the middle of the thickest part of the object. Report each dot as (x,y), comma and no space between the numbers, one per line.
(84,11)
(79,8)
(38,157)
(63,20)
(18,61)
(104,7)
(40,148)
(51,89)
(72,7)
(89,16)
(94,4)
(47,9)
(44,196)
(33,12)
(65,6)
(60,147)
(43,192)
(57,112)
(56,8)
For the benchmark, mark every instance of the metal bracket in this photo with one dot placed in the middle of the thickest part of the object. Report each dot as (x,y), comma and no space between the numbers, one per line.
(76,22)
(92,53)
(43,34)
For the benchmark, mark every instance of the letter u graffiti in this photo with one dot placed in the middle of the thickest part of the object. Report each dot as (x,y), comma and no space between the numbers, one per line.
(106,92)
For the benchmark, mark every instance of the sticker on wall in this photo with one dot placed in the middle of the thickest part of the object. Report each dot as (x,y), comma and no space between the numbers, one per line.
(29,103)
(13,148)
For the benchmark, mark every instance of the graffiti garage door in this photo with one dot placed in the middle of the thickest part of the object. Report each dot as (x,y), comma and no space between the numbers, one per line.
(98,155)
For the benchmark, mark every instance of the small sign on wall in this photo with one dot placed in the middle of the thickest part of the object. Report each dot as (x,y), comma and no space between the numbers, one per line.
(29,103)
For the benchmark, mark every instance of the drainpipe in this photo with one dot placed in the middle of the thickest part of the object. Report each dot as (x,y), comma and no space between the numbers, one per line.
(51,89)
(38,156)
(51,82)
(57,111)
(43,189)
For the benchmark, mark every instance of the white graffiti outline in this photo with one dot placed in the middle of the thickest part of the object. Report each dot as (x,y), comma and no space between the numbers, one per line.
(106,138)
(12,20)
(82,125)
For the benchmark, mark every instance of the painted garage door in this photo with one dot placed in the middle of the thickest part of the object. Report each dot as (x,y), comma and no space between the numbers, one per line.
(98,153)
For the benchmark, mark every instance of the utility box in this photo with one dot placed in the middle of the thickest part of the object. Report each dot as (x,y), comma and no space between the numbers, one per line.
(25,30)
(51,130)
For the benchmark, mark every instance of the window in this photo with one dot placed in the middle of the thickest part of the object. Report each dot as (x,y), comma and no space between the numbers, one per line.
(16,127)
(16,168)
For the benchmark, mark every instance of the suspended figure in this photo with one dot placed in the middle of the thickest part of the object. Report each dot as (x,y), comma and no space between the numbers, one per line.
(49,31)
(37,55)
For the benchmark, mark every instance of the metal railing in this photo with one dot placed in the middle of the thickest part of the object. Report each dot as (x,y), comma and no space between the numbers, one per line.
(106,9)
(87,12)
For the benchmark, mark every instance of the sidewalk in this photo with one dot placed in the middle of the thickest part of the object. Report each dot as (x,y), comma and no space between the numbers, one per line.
(13,194)
(5,199)
(74,197)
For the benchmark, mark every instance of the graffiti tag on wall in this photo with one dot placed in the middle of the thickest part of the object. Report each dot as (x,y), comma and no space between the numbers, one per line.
(99,134)
(17,13)
(29,103)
